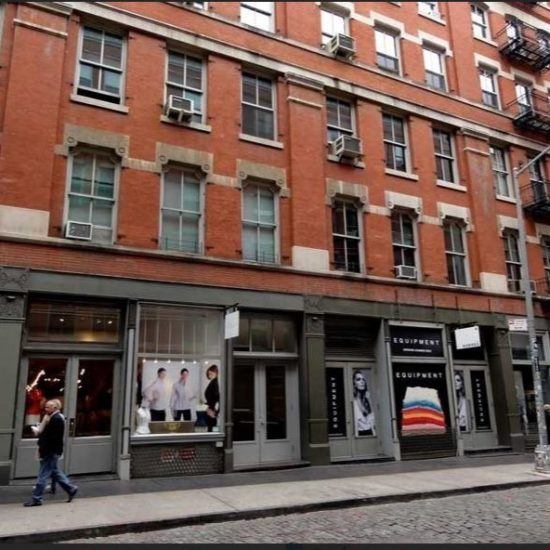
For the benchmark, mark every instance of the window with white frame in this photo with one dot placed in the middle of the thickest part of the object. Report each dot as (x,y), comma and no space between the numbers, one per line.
(331,24)
(185,79)
(258,14)
(455,252)
(346,236)
(100,64)
(501,176)
(258,106)
(91,194)
(431,9)
(181,211)
(395,142)
(524,96)
(339,118)
(545,243)
(259,223)
(403,238)
(434,66)
(480,24)
(387,50)
(539,186)
(489,88)
(513,264)
(444,155)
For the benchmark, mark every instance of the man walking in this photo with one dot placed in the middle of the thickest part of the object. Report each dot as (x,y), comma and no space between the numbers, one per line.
(50,448)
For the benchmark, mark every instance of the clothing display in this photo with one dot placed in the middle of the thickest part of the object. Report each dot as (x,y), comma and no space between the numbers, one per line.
(158,395)
(33,406)
(181,397)
(422,412)
(143,417)
(212,398)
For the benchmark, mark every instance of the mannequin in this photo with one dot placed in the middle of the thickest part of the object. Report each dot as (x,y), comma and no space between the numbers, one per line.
(143,417)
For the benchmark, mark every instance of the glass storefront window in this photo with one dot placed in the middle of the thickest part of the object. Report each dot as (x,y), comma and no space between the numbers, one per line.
(519,342)
(266,334)
(179,370)
(63,322)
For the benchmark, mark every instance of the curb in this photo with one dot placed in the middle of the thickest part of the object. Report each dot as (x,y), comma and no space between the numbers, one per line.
(153,525)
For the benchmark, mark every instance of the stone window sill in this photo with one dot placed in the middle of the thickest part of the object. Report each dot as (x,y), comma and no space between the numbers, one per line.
(355,163)
(433,18)
(454,186)
(487,41)
(261,141)
(191,125)
(99,103)
(506,199)
(399,174)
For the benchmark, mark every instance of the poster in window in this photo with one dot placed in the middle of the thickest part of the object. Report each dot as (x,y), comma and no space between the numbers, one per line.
(481,403)
(421,400)
(363,408)
(462,411)
(335,402)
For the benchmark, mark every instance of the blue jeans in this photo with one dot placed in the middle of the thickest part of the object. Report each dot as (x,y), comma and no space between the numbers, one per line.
(49,468)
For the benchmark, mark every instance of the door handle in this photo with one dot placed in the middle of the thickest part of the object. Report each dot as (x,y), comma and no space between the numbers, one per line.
(72,427)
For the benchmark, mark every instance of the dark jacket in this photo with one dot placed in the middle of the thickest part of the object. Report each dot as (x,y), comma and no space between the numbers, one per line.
(50,441)
(212,394)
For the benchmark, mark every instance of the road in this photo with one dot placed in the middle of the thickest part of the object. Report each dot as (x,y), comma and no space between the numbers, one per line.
(512,516)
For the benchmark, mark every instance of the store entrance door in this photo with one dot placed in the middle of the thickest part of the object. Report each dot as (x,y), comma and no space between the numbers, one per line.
(352,410)
(475,411)
(265,414)
(86,388)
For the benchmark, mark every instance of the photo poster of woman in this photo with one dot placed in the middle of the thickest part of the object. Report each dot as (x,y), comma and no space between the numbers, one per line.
(363,407)
(461,402)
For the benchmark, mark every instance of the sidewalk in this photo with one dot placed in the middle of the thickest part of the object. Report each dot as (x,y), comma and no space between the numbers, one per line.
(113,506)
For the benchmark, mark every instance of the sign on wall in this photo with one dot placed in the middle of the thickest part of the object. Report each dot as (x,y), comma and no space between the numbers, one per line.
(232,324)
(517,324)
(467,338)
(336,402)
(481,403)
(416,342)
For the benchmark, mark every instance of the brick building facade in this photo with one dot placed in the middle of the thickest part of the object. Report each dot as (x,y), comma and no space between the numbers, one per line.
(342,171)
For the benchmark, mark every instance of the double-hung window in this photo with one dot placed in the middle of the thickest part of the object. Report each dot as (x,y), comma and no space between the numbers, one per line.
(185,79)
(501,177)
(480,25)
(91,196)
(434,65)
(395,142)
(346,236)
(545,242)
(444,156)
(488,83)
(403,239)
(258,14)
(524,96)
(455,252)
(430,9)
(101,71)
(259,223)
(538,184)
(258,106)
(331,25)
(387,50)
(513,264)
(181,211)
(339,118)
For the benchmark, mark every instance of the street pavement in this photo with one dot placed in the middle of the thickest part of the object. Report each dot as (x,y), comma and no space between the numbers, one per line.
(519,515)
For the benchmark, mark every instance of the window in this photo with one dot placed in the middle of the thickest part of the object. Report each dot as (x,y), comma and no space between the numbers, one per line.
(268,333)
(331,25)
(538,183)
(403,239)
(346,237)
(444,156)
(395,142)
(524,96)
(488,83)
(257,14)
(185,79)
(259,223)
(501,177)
(258,107)
(513,264)
(434,65)
(429,8)
(91,197)
(480,26)
(339,118)
(545,242)
(181,211)
(455,252)
(100,65)
(387,56)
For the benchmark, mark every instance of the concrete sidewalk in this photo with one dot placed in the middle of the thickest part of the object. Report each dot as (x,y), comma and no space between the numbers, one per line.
(129,506)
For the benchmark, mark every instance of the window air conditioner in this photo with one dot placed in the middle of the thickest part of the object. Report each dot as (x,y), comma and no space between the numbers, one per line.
(405,272)
(178,108)
(342,45)
(78,230)
(347,147)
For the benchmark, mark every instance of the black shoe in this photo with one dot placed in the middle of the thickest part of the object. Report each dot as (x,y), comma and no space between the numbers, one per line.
(72,494)
(32,503)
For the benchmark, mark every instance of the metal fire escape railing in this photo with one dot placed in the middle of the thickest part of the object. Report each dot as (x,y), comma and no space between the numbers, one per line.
(531,111)
(525,44)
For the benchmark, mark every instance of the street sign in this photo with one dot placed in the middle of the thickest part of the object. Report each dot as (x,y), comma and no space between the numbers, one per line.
(517,324)
(232,324)
(467,338)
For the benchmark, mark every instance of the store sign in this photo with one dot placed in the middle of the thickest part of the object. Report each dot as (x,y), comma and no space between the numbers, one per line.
(517,324)
(336,402)
(481,403)
(416,342)
(232,324)
(467,338)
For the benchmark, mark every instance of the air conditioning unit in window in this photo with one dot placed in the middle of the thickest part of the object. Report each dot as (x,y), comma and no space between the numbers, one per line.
(347,147)
(178,108)
(342,45)
(78,230)
(405,272)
